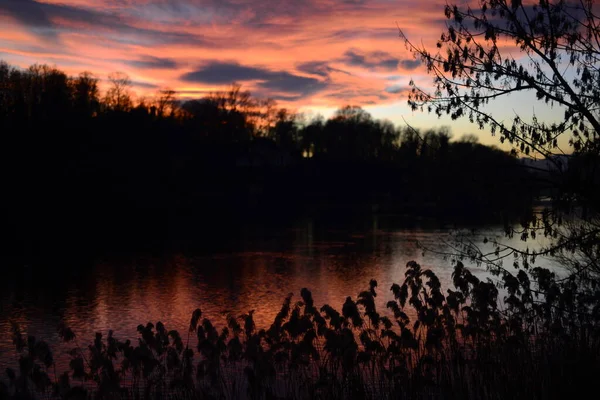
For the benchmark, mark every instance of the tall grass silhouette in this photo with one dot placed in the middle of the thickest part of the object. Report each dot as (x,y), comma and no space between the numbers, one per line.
(539,341)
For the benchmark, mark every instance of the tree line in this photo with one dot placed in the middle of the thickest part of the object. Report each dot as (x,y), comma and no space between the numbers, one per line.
(78,157)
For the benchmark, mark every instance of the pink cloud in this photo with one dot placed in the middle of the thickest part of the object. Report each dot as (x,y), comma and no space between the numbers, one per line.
(321,53)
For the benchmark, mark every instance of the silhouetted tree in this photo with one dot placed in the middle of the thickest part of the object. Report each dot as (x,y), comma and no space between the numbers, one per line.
(166,103)
(556,61)
(118,95)
(85,95)
(285,130)
(469,138)
(115,166)
(312,138)
(471,70)
(352,134)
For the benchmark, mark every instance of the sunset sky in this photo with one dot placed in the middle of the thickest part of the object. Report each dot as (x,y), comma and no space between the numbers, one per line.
(309,55)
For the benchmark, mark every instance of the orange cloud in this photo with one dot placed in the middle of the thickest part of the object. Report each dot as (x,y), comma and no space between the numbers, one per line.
(311,55)
(321,53)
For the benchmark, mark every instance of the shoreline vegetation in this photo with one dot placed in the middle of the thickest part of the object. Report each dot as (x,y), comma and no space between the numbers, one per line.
(477,340)
(88,172)
(82,168)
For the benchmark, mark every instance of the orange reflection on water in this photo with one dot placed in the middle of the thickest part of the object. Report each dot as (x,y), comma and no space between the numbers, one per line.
(256,274)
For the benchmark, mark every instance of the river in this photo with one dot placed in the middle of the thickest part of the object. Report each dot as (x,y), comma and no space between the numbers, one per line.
(254,271)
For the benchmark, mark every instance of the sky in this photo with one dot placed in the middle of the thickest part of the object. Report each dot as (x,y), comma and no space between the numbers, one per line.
(312,56)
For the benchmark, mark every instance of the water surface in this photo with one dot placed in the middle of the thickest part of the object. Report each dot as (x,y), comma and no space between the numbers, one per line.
(253,271)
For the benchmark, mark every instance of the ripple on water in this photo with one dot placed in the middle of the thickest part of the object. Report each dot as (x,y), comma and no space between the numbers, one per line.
(119,294)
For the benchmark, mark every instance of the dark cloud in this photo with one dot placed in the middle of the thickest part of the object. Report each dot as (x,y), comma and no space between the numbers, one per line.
(39,16)
(410,64)
(320,68)
(370,60)
(27,12)
(285,82)
(149,62)
(217,72)
(224,72)
(395,89)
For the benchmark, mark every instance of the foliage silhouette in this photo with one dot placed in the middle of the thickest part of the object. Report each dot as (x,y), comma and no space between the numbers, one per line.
(556,62)
(109,169)
(466,343)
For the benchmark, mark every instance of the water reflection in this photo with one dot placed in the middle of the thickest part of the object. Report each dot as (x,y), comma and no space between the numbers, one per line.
(256,273)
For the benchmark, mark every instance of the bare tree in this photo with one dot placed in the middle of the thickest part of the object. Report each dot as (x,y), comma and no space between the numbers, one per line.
(118,95)
(165,102)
